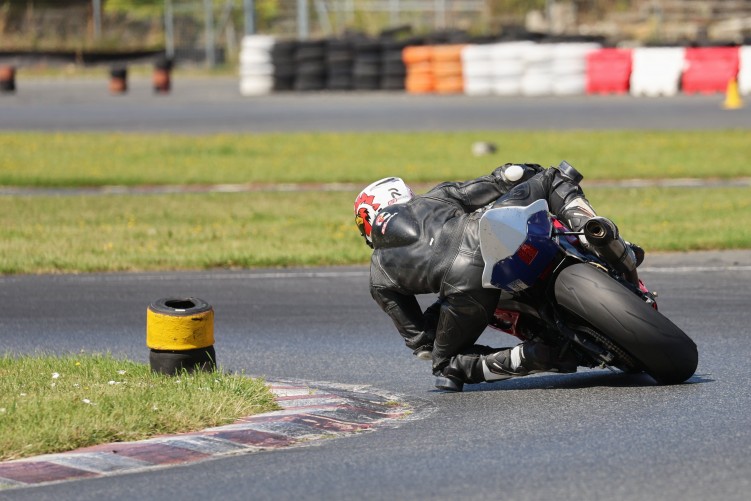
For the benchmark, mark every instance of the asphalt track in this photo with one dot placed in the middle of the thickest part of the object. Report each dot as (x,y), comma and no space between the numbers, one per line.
(590,435)
(214,105)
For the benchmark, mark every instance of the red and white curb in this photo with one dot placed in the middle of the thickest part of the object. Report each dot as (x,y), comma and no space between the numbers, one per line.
(310,411)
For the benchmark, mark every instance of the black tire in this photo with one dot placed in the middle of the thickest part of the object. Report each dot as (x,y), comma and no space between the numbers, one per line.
(390,82)
(180,306)
(284,49)
(310,51)
(173,362)
(664,350)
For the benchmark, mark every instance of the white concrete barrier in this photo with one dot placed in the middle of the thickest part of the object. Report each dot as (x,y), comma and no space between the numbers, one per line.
(744,73)
(657,71)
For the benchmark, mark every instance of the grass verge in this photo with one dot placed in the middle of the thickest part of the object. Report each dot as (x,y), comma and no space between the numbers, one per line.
(53,404)
(95,159)
(199,231)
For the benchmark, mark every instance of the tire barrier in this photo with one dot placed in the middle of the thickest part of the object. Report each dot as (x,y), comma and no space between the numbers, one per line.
(310,65)
(537,78)
(180,335)
(7,79)
(340,57)
(418,63)
(569,68)
(477,68)
(366,68)
(508,68)
(393,70)
(162,78)
(118,80)
(447,69)
(283,60)
(508,62)
(256,68)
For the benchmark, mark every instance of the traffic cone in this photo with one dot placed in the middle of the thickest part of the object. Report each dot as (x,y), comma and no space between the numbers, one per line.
(733,99)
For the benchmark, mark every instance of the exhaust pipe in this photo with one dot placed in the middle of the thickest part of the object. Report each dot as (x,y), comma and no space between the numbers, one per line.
(602,235)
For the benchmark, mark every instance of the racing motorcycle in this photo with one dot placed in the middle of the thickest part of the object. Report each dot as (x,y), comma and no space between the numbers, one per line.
(559,291)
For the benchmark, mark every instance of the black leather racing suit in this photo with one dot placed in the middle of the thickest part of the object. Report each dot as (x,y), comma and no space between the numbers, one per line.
(431,245)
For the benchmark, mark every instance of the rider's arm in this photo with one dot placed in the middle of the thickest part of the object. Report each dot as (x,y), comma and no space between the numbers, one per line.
(406,314)
(477,193)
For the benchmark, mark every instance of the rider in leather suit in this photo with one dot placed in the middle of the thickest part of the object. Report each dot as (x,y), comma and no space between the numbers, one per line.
(430,244)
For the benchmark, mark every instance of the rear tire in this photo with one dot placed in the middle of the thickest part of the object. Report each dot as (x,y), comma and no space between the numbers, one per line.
(664,350)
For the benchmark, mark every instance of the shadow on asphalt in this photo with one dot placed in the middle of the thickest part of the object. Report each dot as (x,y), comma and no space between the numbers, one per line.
(581,380)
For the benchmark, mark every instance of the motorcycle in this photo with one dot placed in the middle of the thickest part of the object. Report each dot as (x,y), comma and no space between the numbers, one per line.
(556,290)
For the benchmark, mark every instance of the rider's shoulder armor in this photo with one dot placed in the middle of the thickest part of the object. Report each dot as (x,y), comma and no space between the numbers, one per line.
(395,226)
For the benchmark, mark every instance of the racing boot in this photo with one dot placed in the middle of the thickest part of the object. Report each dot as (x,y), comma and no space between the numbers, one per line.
(463,368)
(527,358)
(424,352)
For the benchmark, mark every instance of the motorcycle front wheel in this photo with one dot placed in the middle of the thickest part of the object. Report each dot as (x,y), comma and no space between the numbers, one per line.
(664,351)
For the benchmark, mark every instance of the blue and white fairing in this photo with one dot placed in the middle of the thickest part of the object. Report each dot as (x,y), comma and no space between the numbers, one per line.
(516,246)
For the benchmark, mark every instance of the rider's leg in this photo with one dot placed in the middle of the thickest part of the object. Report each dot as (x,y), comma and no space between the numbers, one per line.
(483,364)
(463,318)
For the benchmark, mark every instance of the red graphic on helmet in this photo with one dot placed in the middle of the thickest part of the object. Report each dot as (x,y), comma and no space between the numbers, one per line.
(365,208)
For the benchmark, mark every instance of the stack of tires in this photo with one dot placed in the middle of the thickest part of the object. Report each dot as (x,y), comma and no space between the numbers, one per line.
(508,60)
(418,61)
(477,68)
(570,68)
(256,65)
(339,64)
(447,69)
(285,67)
(393,69)
(366,72)
(310,60)
(538,70)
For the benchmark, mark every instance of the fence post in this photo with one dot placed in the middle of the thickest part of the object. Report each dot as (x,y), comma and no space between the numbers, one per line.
(169,30)
(250,16)
(210,56)
(303,29)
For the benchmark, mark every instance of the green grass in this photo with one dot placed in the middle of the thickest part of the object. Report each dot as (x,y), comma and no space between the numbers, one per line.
(678,219)
(116,233)
(174,232)
(90,159)
(197,231)
(53,404)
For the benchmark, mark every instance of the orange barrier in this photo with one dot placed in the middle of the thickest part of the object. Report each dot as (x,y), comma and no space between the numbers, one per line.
(433,68)
(418,61)
(417,54)
(447,68)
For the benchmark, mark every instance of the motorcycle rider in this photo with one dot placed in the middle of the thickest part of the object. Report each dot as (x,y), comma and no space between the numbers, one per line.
(430,244)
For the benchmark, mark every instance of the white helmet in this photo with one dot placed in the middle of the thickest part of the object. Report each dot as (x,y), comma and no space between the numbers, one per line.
(382,193)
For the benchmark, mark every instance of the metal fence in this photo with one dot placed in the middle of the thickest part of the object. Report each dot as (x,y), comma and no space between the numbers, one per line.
(211,30)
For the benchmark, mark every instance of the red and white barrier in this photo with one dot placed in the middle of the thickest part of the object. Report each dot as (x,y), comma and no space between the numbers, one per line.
(656,71)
